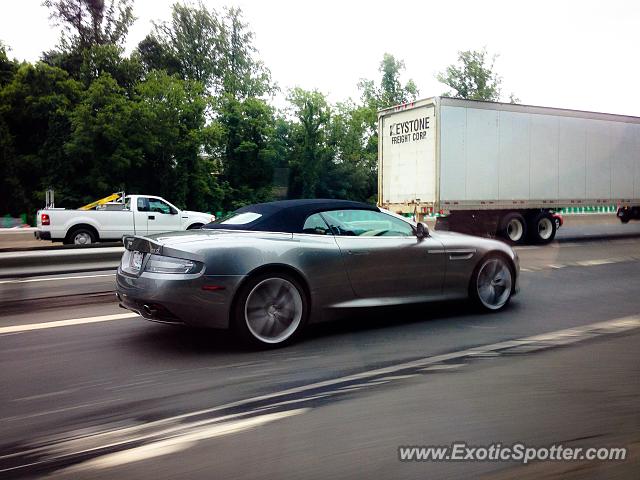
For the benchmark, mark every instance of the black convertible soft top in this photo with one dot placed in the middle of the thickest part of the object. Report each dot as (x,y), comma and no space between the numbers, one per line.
(287,215)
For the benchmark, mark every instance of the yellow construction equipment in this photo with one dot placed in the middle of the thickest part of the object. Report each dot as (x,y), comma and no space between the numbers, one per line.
(111,198)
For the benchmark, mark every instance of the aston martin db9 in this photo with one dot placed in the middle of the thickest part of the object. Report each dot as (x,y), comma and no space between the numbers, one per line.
(269,269)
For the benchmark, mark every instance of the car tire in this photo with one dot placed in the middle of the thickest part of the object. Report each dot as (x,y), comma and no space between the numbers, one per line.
(492,282)
(513,228)
(81,236)
(195,226)
(270,310)
(543,228)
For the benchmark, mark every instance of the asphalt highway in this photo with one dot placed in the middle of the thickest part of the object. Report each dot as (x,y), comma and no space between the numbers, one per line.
(89,391)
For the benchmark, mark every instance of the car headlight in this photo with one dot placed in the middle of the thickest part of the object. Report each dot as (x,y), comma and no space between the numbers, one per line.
(162,264)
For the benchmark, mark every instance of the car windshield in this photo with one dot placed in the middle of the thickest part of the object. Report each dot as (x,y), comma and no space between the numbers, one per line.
(367,223)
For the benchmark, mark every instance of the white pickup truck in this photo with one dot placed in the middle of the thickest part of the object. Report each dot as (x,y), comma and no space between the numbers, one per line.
(136,215)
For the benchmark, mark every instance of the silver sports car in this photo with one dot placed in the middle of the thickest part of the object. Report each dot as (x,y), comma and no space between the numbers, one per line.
(268,269)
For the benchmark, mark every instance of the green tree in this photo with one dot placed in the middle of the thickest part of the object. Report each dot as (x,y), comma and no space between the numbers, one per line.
(216,50)
(310,133)
(35,120)
(355,148)
(154,55)
(100,144)
(86,23)
(193,38)
(390,91)
(355,131)
(243,75)
(7,160)
(109,59)
(8,67)
(473,77)
(249,155)
(170,113)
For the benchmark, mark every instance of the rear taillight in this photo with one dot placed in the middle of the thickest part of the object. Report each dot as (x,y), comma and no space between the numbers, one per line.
(45,219)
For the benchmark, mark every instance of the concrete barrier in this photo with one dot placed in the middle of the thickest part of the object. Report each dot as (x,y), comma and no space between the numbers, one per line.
(44,262)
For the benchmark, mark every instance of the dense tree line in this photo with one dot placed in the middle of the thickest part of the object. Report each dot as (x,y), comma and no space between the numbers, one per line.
(187,115)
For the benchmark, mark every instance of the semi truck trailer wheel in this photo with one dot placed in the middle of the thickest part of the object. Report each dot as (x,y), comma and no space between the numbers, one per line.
(542,229)
(513,228)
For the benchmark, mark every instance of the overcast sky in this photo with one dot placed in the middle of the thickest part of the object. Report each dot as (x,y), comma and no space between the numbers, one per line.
(573,54)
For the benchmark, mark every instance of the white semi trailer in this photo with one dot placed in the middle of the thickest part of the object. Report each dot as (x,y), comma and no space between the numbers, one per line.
(501,169)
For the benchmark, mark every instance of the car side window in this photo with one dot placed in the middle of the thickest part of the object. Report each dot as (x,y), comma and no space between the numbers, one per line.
(159,206)
(315,224)
(143,204)
(366,223)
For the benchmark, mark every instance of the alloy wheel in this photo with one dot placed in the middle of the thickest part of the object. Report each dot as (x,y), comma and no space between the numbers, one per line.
(494,283)
(273,310)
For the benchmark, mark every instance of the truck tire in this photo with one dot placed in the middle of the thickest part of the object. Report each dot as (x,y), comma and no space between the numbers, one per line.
(542,229)
(513,228)
(81,236)
(624,214)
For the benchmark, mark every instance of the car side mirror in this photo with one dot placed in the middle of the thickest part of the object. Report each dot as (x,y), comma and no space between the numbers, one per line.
(422,231)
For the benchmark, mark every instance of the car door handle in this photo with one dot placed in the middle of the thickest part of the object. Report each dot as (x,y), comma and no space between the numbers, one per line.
(151,217)
(357,252)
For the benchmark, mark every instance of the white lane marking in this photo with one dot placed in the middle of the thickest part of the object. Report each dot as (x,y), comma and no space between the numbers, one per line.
(396,377)
(45,395)
(65,323)
(359,386)
(483,353)
(443,366)
(583,263)
(58,410)
(181,442)
(591,263)
(56,279)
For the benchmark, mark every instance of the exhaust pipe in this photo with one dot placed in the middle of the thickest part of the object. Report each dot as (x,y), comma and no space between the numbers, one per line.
(148,310)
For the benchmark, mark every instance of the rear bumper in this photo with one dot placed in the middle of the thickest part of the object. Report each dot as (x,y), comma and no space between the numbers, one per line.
(177,299)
